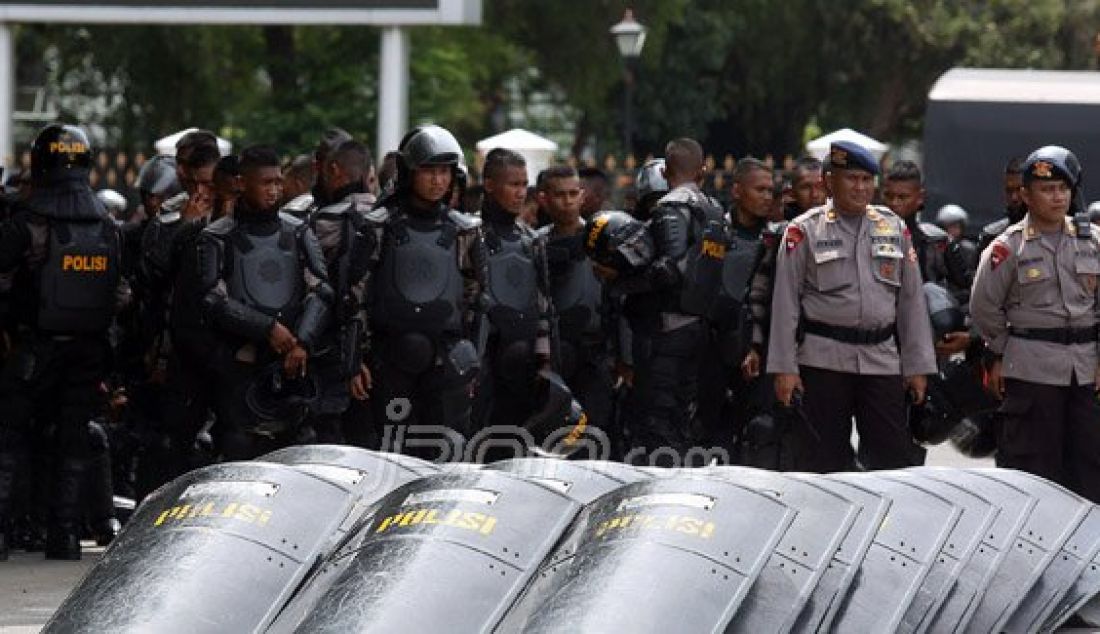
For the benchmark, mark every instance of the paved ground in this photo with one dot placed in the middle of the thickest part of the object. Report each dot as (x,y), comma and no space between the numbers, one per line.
(31,588)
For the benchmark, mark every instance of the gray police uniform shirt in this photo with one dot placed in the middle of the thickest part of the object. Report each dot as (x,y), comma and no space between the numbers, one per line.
(1027,279)
(856,272)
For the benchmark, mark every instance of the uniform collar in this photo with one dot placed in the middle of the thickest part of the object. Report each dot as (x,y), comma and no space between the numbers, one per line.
(1031,233)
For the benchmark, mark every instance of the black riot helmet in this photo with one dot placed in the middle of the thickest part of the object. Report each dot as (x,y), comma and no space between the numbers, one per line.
(427,145)
(559,421)
(619,241)
(651,185)
(158,178)
(60,152)
(279,403)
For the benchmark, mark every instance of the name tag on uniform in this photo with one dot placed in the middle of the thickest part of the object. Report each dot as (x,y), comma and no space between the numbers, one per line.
(886,251)
(894,239)
(821,257)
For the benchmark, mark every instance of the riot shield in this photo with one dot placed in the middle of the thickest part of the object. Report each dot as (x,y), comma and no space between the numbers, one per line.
(1083,545)
(671,554)
(371,474)
(802,555)
(444,553)
(1059,577)
(825,601)
(583,481)
(901,556)
(977,574)
(977,515)
(216,550)
(1057,513)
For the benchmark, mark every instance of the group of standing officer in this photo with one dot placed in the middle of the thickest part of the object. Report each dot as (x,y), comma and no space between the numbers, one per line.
(385,317)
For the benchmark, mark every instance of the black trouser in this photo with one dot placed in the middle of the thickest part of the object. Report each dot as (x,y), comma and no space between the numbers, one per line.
(668,386)
(234,433)
(187,400)
(822,439)
(425,413)
(52,386)
(1052,431)
(325,421)
(587,373)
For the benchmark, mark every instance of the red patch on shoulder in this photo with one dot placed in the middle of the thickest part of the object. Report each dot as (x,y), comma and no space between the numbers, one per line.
(907,233)
(1000,254)
(793,237)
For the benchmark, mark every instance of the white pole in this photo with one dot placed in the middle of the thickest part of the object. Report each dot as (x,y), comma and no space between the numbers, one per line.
(7,95)
(393,89)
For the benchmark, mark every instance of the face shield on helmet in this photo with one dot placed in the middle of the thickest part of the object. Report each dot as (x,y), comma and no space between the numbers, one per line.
(619,241)
(951,215)
(158,178)
(114,202)
(60,152)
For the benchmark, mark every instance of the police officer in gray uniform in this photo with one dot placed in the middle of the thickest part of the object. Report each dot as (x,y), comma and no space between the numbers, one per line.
(1034,302)
(849,327)
(265,295)
(688,237)
(60,256)
(426,268)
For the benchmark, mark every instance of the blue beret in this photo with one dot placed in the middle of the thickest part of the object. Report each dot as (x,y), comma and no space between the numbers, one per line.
(1052,162)
(850,155)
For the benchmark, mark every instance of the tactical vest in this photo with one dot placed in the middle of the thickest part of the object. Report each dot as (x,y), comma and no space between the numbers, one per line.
(737,270)
(574,288)
(702,267)
(418,288)
(265,272)
(79,277)
(513,286)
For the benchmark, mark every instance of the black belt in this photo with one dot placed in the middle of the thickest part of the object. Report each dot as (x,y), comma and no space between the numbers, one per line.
(1064,336)
(844,334)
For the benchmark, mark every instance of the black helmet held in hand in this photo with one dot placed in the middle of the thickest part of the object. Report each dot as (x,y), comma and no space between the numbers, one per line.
(619,241)
(60,152)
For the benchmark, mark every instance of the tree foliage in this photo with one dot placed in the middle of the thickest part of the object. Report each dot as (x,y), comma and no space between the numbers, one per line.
(743,75)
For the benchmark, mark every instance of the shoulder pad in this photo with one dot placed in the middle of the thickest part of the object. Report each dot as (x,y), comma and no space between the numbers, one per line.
(221,227)
(299,204)
(378,215)
(544,231)
(175,204)
(884,210)
(362,201)
(290,220)
(335,209)
(678,196)
(168,218)
(933,233)
(464,222)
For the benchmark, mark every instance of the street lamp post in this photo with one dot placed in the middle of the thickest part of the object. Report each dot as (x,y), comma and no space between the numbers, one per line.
(629,37)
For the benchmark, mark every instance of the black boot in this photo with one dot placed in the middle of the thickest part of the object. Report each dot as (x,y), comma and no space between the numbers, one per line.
(63,534)
(99,494)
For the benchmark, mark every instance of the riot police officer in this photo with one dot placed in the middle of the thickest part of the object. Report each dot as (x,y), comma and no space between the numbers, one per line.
(316,191)
(340,227)
(582,313)
(264,295)
(725,400)
(849,326)
(687,234)
(180,349)
(1034,302)
(426,268)
(63,253)
(1015,207)
(518,344)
